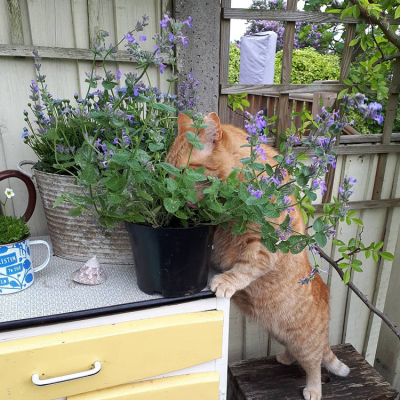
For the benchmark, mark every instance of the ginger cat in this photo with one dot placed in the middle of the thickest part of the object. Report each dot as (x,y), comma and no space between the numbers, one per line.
(263,285)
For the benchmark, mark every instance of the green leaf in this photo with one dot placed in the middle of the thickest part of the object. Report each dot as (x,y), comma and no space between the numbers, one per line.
(162,107)
(337,242)
(356,268)
(269,243)
(144,195)
(346,277)
(397,13)
(386,255)
(89,175)
(171,185)
(356,262)
(378,246)
(59,201)
(375,256)
(367,253)
(321,239)
(318,225)
(253,200)
(75,212)
(115,182)
(354,42)
(171,205)
(197,177)
(121,158)
(304,215)
(181,215)
(239,228)
(169,168)
(343,265)
(108,85)
(357,221)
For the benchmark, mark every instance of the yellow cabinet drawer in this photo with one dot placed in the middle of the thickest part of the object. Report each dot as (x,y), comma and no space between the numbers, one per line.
(127,352)
(202,386)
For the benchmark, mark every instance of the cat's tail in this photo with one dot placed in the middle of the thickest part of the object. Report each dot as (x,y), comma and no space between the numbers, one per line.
(333,364)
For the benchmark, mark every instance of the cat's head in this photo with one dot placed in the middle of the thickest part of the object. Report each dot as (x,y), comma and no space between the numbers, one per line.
(215,156)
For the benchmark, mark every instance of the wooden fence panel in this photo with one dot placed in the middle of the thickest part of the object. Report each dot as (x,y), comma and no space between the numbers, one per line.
(69,24)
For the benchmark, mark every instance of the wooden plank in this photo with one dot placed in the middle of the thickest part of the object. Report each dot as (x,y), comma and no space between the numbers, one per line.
(266,379)
(354,166)
(391,110)
(384,272)
(70,53)
(289,15)
(286,71)
(357,314)
(365,204)
(344,73)
(282,88)
(224,62)
(236,334)
(372,138)
(255,340)
(356,149)
(17,34)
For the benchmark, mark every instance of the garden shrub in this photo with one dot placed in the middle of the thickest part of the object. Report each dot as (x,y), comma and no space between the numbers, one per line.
(308,66)
(234,64)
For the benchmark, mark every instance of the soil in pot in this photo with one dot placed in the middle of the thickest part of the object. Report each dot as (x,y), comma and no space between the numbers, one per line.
(171,261)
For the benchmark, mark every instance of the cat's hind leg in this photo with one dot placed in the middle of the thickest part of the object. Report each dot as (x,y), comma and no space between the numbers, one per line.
(313,390)
(285,358)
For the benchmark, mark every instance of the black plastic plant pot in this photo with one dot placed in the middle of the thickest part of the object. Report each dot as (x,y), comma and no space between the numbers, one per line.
(171,261)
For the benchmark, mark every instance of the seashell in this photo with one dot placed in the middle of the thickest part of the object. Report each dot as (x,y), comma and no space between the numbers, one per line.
(91,273)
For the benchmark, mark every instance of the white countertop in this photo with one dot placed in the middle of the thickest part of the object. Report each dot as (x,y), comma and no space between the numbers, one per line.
(54,292)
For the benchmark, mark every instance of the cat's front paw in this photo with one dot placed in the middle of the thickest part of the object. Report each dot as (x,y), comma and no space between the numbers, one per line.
(222,287)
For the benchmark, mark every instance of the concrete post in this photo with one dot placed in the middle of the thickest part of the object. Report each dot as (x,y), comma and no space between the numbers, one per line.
(201,56)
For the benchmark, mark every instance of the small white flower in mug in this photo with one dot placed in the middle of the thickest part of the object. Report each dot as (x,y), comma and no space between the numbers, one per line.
(9,193)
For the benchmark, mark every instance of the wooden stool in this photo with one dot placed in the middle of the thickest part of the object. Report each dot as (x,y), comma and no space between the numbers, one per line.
(266,379)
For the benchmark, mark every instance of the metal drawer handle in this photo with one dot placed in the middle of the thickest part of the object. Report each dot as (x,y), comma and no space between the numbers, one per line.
(66,378)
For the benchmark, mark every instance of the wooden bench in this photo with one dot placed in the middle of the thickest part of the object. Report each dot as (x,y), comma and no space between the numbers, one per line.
(266,379)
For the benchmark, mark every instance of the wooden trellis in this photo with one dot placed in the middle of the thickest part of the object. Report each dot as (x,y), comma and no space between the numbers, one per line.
(373,159)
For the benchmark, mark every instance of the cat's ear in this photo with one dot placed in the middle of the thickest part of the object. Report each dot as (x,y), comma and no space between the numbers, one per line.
(214,132)
(183,124)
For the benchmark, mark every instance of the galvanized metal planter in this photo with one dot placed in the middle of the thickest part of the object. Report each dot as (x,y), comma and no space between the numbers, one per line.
(78,238)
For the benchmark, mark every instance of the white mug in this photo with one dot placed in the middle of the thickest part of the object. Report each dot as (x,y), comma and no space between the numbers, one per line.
(16,269)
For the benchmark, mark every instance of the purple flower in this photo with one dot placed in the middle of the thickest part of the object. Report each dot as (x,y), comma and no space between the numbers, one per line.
(116,141)
(188,22)
(184,41)
(104,164)
(261,152)
(257,193)
(164,22)
(142,38)
(162,67)
(171,37)
(127,141)
(119,74)
(313,247)
(319,183)
(24,134)
(129,37)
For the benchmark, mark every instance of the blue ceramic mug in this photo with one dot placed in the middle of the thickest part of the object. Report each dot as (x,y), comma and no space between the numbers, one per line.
(16,269)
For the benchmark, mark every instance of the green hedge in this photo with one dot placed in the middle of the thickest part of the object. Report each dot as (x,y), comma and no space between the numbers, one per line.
(308,66)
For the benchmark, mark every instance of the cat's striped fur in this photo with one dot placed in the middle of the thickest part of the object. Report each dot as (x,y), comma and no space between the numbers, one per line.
(265,286)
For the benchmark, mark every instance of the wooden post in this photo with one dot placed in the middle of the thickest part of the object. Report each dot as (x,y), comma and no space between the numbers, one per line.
(344,73)
(387,132)
(288,45)
(17,34)
(224,62)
